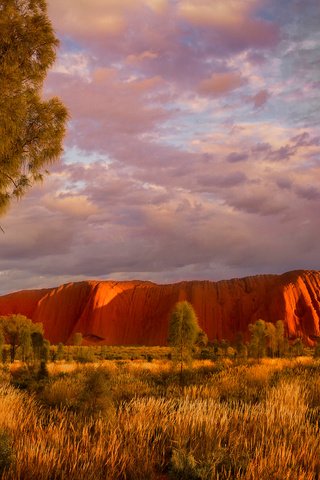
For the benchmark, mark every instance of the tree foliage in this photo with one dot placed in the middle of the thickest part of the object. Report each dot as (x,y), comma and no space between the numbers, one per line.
(280,338)
(266,338)
(258,338)
(317,350)
(1,343)
(77,339)
(183,331)
(31,129)
(19,331)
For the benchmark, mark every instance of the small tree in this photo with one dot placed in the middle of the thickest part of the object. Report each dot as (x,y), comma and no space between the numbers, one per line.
(240,346)
(77,342)
(60,351)
(45,351)
(1,343)
(202,339)
(215,346)
(316,353)
(37,345)
(25,343)
(271,339)
(297,347)
(280,339)
(183,332)
(16,329)
(258,339)
(224,344)
(77,339)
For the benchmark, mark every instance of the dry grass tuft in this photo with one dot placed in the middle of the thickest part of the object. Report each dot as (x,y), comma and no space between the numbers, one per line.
(131,421)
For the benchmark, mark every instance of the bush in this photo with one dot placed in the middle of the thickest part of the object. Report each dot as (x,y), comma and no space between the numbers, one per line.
(63,392)
(43,371)
(184,466)
(6,451)
(24,377)
(96,397)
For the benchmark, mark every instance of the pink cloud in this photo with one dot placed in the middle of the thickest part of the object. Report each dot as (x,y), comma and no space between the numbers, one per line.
(157,164)
(107,105)
(260,98)
(97,17)
(149,37)
(255,33)
(226,13)
(233,23)
(221,84)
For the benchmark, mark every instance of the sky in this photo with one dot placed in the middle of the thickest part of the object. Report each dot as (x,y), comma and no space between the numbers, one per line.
(193,148)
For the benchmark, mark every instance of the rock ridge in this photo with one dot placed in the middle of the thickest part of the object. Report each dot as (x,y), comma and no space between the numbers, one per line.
(137,312)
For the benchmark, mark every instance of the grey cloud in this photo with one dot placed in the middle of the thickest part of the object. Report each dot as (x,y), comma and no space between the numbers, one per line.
(308,192)
(235,157)
(223,181)
(284,183)
(261,148)
(305,140)
(256,203)
(282,153)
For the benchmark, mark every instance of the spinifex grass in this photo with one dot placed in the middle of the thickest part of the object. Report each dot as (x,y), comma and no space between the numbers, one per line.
(255,421)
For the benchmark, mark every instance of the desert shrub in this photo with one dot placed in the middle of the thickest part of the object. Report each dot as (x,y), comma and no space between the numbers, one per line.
(24,377)
(43,372)
(134,421)
(63,392)
(85,355)
(242,383)
(4,374)
(6,451)
(223,463)
(313,395)
(316,353)
(60,351)
(207,354)
(185,467)
(125,386)
(95,397)
(87,392)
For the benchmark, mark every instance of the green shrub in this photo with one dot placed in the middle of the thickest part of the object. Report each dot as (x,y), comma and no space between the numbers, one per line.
(63,392)
(185,467)
(43,371)
(95,397)
(24,377)
(6,451)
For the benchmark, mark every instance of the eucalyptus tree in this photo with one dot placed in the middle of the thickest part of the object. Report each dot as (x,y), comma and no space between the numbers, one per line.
(1,343)
(258,339)
(183,332)
(17,330)
(280,338)
(31,128)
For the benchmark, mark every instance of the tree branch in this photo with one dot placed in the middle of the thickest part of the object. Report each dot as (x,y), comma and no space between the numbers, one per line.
(9,178)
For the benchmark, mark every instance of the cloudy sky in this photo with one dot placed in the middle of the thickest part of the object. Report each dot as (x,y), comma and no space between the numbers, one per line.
(193,150)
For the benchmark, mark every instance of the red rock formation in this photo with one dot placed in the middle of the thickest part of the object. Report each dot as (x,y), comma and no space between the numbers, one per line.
(137,313)
(24,302)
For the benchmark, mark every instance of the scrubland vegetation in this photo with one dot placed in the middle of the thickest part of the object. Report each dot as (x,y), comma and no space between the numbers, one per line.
(194,410)
(123,419)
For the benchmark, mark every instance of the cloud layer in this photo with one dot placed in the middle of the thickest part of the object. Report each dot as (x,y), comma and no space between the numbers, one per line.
(193,148)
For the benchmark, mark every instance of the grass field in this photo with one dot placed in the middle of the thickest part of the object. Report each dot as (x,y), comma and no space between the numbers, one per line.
(134,420)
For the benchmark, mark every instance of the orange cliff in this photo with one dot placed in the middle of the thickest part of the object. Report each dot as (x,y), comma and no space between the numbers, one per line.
(137,313)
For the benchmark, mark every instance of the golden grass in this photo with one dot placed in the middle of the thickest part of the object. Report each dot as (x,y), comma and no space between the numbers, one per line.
(252,422)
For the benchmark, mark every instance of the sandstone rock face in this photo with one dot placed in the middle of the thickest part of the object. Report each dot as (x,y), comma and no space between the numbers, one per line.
(137,313)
